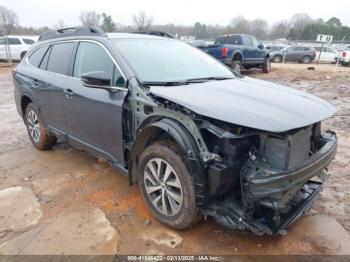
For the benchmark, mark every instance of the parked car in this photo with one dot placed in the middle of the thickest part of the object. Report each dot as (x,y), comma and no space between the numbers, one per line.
(344,56)
(19,46)
(198,138)
(274,47)
(240,51)
(303,54)
(328,54)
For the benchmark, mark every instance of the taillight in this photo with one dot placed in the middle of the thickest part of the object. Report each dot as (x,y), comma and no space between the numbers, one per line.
(344,54)
(224,52)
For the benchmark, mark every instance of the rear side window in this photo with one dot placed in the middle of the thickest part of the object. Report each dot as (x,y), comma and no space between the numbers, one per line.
(233,40)
(28,41)
(43,64)
(36,57)
(13,41)
(60,57)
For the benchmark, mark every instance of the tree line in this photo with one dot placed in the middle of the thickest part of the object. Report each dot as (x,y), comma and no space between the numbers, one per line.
(299,27)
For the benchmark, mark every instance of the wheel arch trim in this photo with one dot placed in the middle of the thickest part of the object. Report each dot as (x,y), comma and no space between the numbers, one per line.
(186,143)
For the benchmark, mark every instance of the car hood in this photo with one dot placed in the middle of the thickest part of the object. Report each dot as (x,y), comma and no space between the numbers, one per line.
(249,102)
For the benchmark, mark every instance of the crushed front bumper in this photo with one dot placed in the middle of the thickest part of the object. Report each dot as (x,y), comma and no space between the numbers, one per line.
(277,188)
(294,187)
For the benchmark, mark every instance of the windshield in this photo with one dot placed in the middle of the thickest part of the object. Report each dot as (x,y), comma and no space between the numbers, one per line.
(158,60)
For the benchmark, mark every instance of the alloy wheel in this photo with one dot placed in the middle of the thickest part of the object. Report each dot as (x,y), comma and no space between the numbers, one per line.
(163,187)
(34,126)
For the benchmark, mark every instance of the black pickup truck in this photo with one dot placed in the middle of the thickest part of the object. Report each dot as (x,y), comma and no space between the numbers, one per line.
(240,51)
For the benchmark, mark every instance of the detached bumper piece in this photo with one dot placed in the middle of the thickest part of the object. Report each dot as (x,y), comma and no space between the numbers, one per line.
(232,216)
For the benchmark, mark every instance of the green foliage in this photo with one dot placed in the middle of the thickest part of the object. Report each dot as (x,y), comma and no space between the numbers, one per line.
(311,31)
(292,34)
(334,21)
(108,24)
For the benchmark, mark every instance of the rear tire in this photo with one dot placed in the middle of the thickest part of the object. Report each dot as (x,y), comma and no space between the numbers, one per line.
(237,65)
(306,59)
(36,129)
(266,66)
(167,186)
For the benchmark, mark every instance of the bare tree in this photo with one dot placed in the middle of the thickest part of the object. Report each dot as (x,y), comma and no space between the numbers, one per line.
(142,22)
(259,28)
(299,22)
(60,24)
(90,18)
(240,25)
(8,20)
(280,30)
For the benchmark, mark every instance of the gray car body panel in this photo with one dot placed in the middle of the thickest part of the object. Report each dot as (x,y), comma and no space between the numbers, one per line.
(249,102)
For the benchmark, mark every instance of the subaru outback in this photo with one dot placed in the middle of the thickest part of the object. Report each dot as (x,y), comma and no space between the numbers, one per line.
(199,139)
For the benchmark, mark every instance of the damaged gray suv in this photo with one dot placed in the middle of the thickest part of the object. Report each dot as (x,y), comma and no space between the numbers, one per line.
(197,138)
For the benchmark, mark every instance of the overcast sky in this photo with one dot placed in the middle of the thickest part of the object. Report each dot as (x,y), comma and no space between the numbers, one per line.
(186,12)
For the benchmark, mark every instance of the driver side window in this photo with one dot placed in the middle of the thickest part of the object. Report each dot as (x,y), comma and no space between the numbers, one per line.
(92,57)
(255,42)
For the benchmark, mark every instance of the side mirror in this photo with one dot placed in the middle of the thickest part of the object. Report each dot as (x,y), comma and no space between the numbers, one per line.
(261,46)
(96,79)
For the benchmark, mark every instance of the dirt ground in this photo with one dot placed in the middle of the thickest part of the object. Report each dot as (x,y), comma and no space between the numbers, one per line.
(65,201)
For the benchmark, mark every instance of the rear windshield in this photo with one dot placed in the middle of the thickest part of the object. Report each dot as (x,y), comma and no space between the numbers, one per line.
(220,40)
(230,39)
(28,41)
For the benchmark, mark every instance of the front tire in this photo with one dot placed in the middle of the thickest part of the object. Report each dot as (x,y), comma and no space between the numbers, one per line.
(167,186)
(277,59)
(36,129)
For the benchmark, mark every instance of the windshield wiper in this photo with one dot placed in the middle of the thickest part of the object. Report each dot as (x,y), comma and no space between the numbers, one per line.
(204,79)
(165,83)
(185,82)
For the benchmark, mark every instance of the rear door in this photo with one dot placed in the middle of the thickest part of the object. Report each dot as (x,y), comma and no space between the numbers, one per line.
(94,115)
(52,83)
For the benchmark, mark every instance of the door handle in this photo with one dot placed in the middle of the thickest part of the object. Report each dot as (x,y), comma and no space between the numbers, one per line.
(69,93)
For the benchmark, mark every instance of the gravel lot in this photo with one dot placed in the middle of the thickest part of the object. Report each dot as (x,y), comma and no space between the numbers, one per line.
(65,201)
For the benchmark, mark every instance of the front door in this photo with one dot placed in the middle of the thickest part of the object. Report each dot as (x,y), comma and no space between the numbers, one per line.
(94,115)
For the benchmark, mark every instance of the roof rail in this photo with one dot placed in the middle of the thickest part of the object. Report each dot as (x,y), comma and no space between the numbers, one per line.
(72,31)
(155,33)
